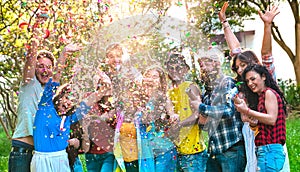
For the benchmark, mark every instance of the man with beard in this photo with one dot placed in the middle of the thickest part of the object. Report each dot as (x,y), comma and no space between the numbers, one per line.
(224,125)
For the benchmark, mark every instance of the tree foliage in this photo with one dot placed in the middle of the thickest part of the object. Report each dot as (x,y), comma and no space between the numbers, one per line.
(77,21)
(244,9)
(67,21)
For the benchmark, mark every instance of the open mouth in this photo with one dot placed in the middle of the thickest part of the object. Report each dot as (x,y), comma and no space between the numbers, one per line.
(253,87)
(44,75)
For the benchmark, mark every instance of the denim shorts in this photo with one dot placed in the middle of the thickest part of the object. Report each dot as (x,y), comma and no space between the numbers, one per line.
(270,157)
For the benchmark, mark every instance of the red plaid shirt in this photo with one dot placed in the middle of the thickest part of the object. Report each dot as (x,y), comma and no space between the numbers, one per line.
(269,134)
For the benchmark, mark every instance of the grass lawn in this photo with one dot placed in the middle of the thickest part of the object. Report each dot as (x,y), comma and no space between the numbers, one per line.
(292,142)
(293,145)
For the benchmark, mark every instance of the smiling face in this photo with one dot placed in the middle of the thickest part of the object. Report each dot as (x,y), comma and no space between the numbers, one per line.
(151,82)
(255,81)
(44,70)
(209,70)
(67,101)
(177,69)
(240,66)
(114,57)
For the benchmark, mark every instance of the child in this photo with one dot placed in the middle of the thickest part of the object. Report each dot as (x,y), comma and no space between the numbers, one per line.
(52,124)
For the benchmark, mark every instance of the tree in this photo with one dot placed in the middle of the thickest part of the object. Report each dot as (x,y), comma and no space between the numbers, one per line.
(240,10)
(67,21)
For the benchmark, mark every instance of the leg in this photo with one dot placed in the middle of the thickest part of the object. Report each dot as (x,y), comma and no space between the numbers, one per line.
(167,161)
(270,157)
(233,160)
(132,166)
(19,161)
(93,164)
(77,167)
(193,162)
(108,162)
(213,165)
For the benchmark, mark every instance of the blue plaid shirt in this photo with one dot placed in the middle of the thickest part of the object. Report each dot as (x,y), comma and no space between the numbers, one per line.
(224,125)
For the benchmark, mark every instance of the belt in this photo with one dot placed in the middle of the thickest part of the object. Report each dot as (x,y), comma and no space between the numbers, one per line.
(21,150)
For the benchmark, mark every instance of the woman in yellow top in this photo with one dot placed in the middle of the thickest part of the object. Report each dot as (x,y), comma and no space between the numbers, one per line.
(192,154)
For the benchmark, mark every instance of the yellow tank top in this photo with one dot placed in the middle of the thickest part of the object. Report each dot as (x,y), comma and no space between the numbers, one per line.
(190,138)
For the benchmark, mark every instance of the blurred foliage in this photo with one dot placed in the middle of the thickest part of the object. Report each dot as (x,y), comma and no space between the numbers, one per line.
(292,141)
(291,93)
(66,21)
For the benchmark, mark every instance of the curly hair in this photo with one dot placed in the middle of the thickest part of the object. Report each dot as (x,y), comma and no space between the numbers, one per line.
(252,97)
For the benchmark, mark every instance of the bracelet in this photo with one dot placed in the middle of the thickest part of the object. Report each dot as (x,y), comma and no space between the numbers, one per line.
(226,27)
(224,21)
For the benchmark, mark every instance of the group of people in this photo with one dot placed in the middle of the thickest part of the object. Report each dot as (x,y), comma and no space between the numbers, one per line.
(151,125)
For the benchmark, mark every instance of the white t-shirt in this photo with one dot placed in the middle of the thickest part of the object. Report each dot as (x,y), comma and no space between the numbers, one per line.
(29,97)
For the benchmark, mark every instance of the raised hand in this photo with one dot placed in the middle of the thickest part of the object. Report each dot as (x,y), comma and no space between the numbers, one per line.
(70,48)
(269,14)
(222,15)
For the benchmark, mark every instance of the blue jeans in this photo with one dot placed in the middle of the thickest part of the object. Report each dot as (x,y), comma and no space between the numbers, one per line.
(193,162)
(166,162)
(77,167)
(99,162)
(19,162)
(20,157)
(232,160)
(270,157)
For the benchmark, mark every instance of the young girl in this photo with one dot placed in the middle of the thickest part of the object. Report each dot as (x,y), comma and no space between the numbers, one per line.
(271,113)
(52,124)
(156,118)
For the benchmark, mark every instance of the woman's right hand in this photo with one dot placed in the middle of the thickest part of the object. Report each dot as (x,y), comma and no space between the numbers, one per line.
(222,15)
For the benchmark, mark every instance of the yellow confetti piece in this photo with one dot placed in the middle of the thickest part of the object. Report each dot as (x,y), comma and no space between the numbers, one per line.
(148,128)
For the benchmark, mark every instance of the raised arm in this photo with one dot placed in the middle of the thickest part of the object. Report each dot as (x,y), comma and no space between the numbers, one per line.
(31,58)
(231,39)
(266,49)
(60,65)
(267,18)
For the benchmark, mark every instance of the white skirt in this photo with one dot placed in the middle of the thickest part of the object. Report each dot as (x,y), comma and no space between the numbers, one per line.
(50,162)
